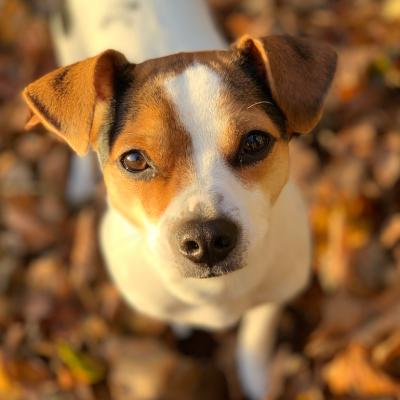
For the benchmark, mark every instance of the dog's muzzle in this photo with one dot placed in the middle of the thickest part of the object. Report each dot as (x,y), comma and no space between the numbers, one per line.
(207,242)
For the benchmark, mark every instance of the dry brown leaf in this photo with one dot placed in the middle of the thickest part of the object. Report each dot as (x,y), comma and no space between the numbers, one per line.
(32,146)
(351,372)
(391,232)
(386,354)
(36,234)
(47,274)
(311,394)
(9,389)
(84,248)
(341,315)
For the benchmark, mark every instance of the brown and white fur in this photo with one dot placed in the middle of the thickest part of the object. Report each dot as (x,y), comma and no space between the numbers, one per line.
(188,113)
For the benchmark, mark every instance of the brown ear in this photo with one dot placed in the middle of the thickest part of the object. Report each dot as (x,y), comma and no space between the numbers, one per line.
(298,72)
(72,100)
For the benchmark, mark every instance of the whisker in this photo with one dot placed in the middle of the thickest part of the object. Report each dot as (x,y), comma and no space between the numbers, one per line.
(260,102)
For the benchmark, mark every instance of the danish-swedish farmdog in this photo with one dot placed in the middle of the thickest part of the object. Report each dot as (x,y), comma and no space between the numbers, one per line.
(203,226)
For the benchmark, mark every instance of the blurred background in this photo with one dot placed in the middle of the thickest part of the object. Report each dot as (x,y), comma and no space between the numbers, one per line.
(65,332)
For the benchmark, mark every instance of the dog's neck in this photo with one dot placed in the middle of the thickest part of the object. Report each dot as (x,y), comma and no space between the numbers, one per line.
(164,27)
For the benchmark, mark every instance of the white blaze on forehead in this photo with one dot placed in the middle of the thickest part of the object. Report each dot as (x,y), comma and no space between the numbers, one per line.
(198,98)
(196,94)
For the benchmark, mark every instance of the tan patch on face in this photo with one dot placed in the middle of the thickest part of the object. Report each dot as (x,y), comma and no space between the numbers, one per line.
(270,174)
(154,130)
(245,119)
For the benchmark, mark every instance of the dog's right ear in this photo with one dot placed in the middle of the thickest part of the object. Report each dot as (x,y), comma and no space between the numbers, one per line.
(73,101)
(298,72)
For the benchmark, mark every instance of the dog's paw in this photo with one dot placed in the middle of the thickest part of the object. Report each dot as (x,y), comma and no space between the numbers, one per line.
(253,374)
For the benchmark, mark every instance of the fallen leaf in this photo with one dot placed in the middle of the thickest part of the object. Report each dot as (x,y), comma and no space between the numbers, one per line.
(83,367)
(351,373)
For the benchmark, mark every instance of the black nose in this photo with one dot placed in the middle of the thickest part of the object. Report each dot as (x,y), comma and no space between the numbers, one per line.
(207,241)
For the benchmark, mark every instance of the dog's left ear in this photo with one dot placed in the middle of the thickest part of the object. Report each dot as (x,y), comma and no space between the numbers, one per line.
(298,72)
(73,101)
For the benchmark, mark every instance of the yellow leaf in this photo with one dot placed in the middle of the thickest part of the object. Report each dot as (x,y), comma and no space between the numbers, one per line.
(391,10)
(84,368)
(9,390)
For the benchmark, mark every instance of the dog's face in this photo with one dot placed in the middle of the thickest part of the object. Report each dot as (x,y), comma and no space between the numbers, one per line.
(200,158)
(194,146)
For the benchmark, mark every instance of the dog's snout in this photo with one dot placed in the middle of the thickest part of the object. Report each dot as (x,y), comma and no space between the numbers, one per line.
(207,241)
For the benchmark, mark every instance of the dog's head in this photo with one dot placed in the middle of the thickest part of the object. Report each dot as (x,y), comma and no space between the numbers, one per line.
(193,146)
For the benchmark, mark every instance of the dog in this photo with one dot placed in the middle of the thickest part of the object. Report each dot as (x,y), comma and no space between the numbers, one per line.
(203,225)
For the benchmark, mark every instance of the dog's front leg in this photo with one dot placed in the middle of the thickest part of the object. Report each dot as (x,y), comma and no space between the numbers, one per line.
(255,342)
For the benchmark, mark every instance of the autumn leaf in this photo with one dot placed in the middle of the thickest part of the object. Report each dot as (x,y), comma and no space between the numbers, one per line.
(351,372)
(83,367)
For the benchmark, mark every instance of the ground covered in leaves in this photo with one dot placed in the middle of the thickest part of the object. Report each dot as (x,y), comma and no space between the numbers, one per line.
(64,331)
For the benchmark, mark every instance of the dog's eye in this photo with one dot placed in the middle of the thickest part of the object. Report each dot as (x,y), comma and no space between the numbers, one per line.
(134,161)
(254,147)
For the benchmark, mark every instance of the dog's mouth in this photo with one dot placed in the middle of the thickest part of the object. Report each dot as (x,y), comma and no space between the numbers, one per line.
(207,272)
